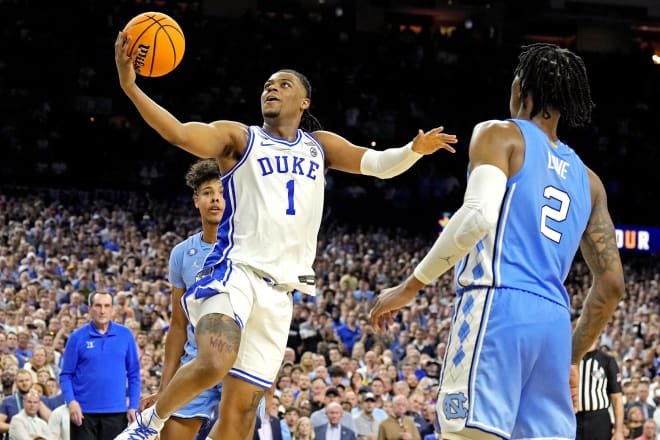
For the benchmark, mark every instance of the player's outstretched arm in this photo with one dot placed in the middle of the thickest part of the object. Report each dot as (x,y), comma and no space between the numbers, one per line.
(202,140)
(342,155)
(489,149)
(601,254)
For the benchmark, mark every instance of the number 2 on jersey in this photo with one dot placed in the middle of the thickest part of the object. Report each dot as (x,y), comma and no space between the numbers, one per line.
(289,187)
(556,214)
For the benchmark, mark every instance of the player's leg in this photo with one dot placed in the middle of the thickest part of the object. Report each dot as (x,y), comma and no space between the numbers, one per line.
(238,410)
(480,381)
(546,408)
(218,338)
(193,420)
(180,429)
(259,359)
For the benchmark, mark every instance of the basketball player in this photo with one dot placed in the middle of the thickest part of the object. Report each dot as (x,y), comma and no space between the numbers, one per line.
(273,177)
(529,203)
(186,259)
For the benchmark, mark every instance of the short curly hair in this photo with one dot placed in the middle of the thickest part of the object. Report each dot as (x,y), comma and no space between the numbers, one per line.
(202,171)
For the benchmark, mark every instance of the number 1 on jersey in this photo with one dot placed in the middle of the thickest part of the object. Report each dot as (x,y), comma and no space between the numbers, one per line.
(290,210)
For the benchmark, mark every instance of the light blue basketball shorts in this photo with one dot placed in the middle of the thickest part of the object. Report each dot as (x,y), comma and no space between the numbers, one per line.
(506,368)
(204,406)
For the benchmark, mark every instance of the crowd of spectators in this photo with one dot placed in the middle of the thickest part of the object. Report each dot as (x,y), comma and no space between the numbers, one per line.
(56,247)
(64,124)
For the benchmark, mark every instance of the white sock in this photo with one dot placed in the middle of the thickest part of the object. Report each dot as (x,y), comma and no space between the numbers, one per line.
(157,421)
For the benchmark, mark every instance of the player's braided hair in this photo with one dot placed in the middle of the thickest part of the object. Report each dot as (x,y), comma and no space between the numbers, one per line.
(202,171)
(308,122)
(555,77)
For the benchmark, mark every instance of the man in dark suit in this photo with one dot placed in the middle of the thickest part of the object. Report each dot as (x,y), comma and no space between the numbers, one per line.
(275,427)
(643,399)
(333,430)
(269,427)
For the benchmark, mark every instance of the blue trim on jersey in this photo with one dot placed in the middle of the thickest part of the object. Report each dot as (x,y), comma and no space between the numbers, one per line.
(246,153)
(184,305)
(250,378)
(224,235)
(281,140)
(498,245)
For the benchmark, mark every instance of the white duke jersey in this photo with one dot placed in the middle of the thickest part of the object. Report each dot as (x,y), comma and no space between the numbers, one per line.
(274,204)
(544,213)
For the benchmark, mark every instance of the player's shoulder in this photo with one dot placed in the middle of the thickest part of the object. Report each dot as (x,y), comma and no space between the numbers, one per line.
(237,131)
(596,186)
(496,126)
(183,245)
(231,125)
(323,135)
(497,132)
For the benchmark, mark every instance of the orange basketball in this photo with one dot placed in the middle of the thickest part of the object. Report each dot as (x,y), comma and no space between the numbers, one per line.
(158,42)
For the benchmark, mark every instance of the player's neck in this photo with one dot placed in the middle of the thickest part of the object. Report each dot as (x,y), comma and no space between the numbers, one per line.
(549,125)
(281,129)
(209,233)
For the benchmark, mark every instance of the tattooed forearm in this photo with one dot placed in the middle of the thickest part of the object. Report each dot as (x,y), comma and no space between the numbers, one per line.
(602,256)
(596,312)
(599,242)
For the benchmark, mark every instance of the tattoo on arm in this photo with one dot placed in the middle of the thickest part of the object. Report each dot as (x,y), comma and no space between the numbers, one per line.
(602,256)
(599,243)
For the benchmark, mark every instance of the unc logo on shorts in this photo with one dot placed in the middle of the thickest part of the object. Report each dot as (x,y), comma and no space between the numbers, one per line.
(192,251)
(454,406)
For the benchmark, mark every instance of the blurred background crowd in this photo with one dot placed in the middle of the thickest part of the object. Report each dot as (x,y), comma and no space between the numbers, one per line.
(91,199)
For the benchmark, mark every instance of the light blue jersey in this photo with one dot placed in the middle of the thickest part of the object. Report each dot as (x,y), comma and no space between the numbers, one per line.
(186,259)
(507,361)
(549,198)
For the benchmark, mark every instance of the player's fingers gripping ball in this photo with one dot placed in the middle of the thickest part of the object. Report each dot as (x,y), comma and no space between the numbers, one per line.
(157,43)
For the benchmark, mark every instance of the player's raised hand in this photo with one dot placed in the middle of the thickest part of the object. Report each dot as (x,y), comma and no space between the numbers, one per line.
(433,140)
(124,63)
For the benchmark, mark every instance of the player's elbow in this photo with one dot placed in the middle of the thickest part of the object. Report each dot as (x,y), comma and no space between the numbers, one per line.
(478,222)
(618,289)
(612,284)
